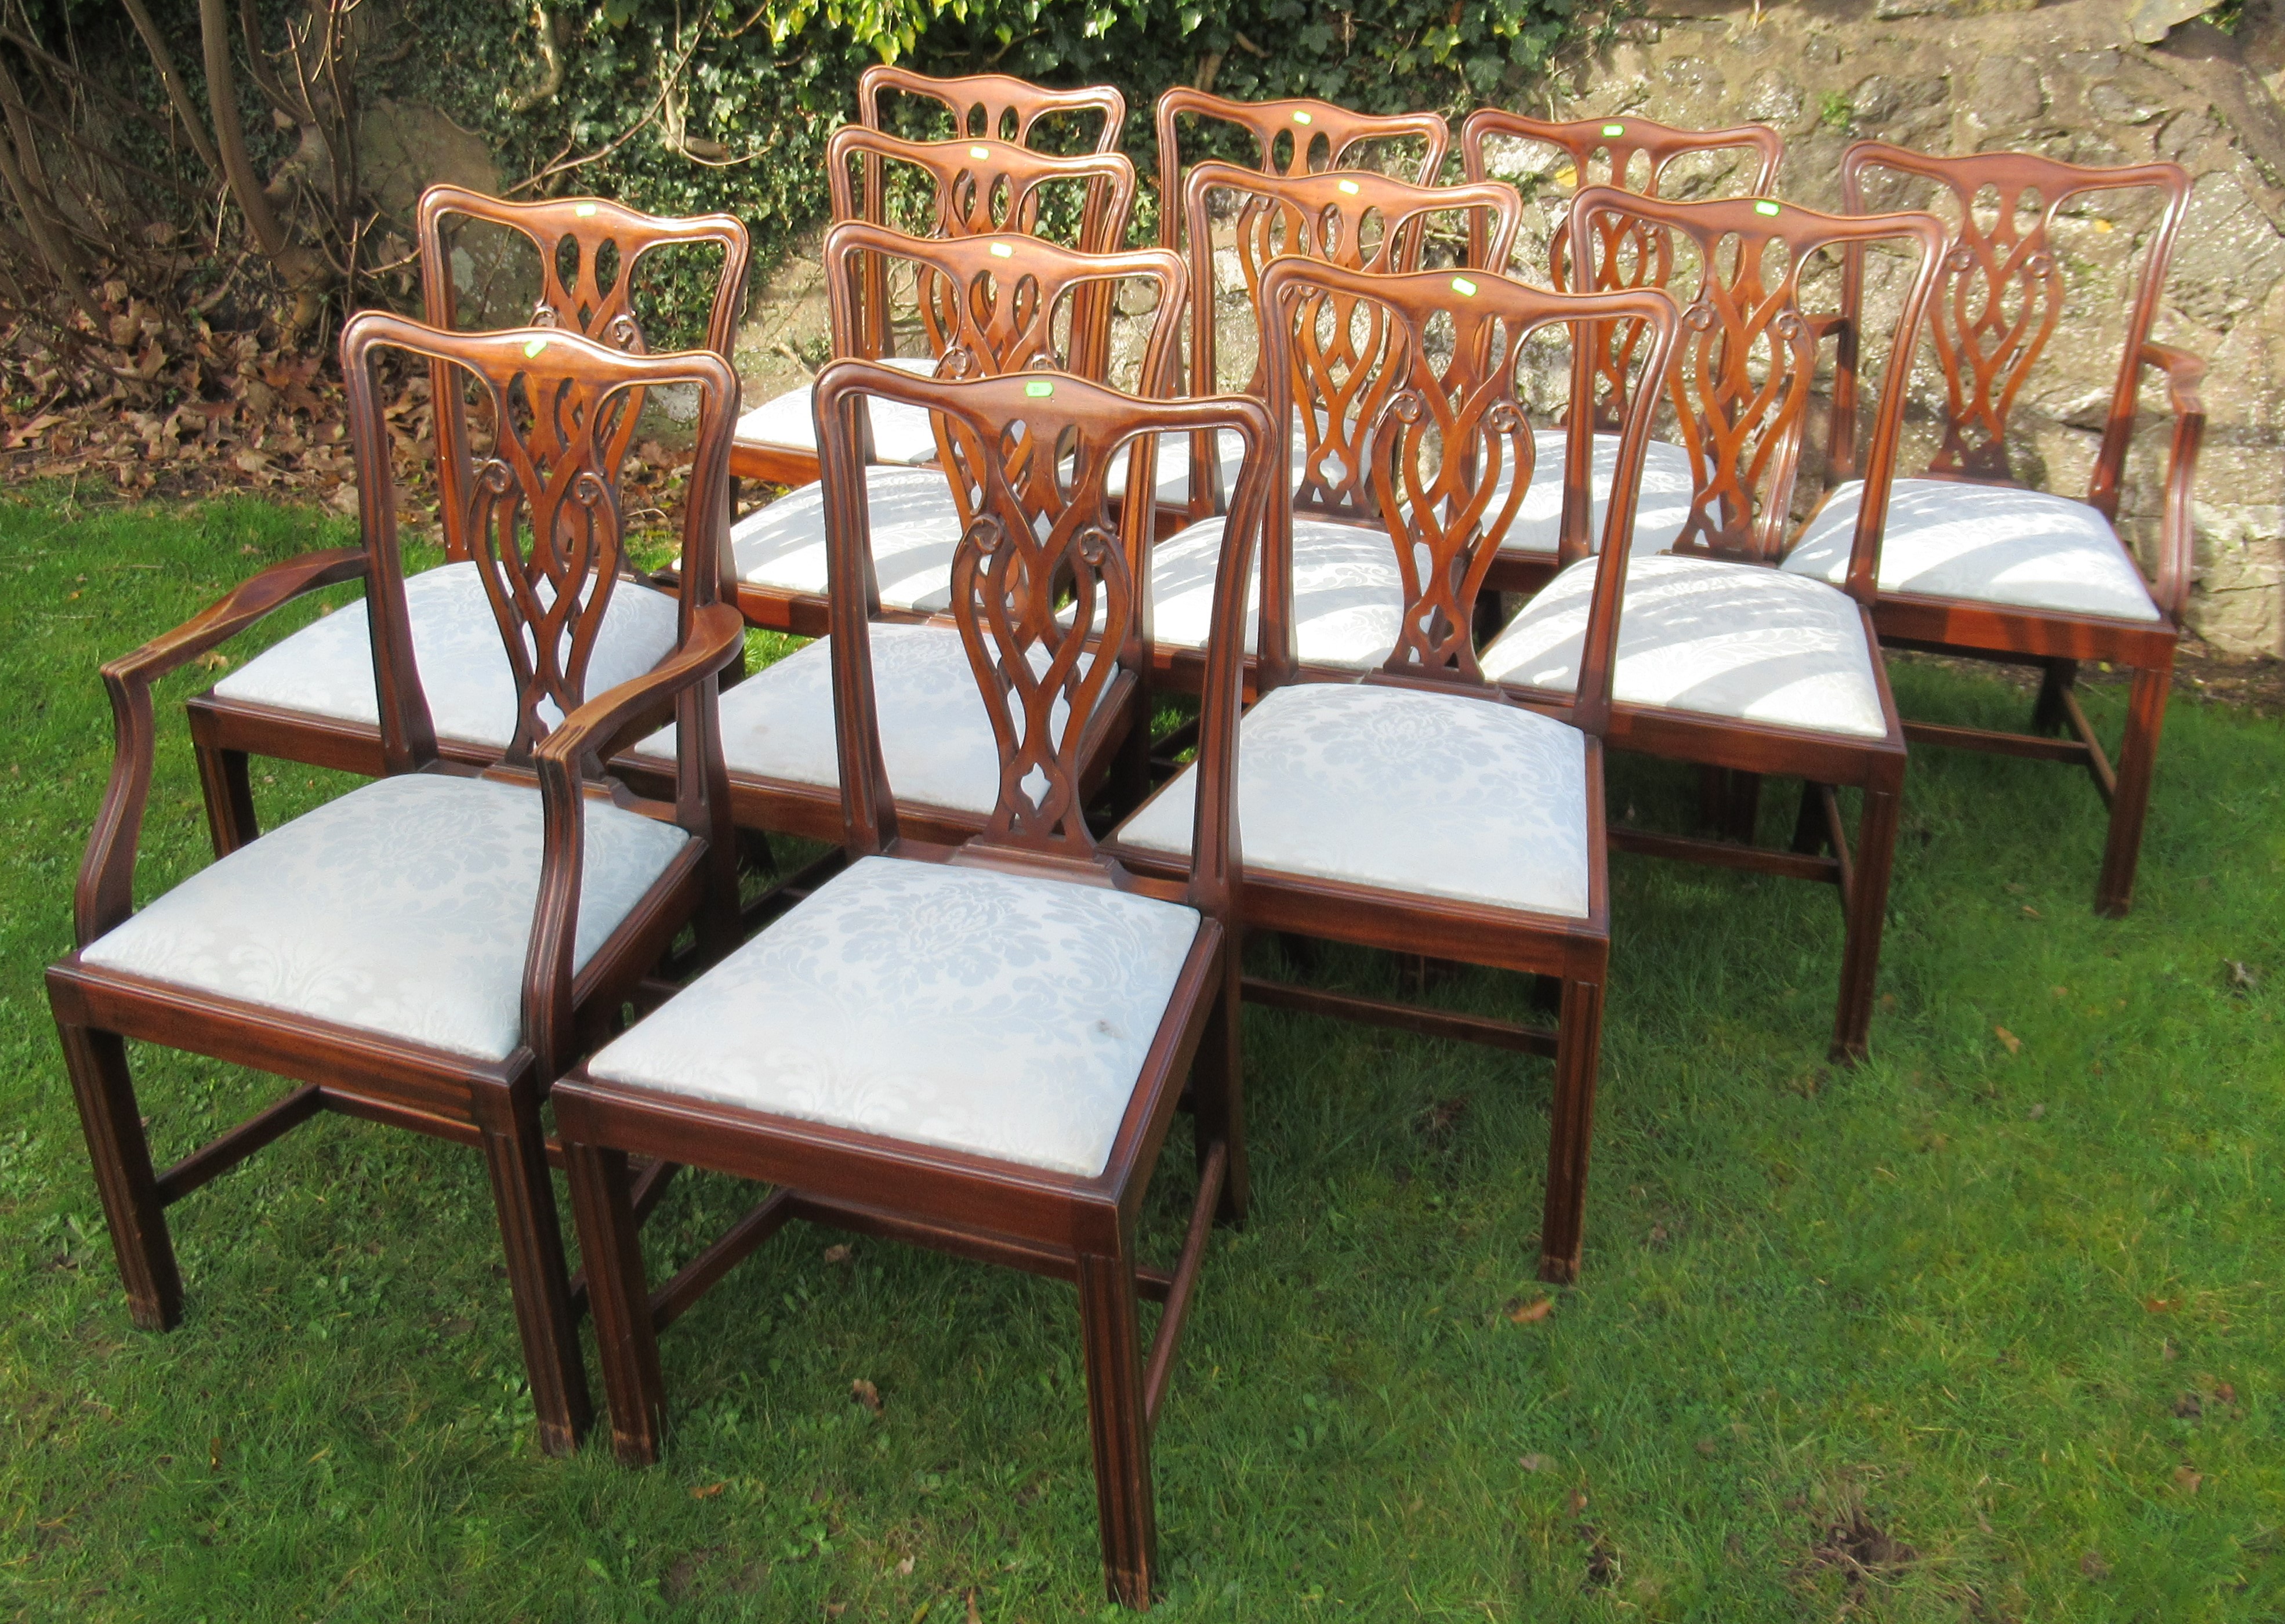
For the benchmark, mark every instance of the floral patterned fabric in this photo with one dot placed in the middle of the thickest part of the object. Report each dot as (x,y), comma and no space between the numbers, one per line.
(1704,635)
(1660,509)
(325,668)
(1987,542)
(900,433)
(1436,795)
(403,908)
(936,735)
(1348,594)
(1003,1015)
(915,529)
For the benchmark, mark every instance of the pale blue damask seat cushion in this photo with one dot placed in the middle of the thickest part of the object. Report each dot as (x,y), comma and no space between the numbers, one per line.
(1709,636)
(1990,544)
(916,528)
(403,908)
(1437,794)
(1661,508)
(1348,594)
(1000,1015)
(936,735)
(325,668)
(900,433)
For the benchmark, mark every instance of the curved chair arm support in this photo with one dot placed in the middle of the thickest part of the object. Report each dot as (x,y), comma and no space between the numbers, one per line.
(588,735)
(105,895)
(2184,373)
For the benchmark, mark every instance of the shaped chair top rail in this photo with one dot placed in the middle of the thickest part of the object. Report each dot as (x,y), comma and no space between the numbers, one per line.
(982,185)
(2001,290)
(1006,302)
(1293,135)
(996,104)
(542,513)
(1350,218)
(1743,369)
(576,300)
(1448,451)
(1038,449)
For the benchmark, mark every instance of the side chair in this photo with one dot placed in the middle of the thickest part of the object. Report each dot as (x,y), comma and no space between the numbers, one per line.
(430,950)
(1724,659)
(1975,564)
(888,1053)
(994,305)
(312,697)
(1417,810)
(1633,154)
(970,185)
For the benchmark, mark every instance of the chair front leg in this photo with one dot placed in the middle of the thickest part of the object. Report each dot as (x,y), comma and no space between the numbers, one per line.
(1570,1131)
(1125,1505)
(610,1244)
(2048,715)
(516,1155)
(2130,798)
(229,790)
(1868,907)
(132,1204)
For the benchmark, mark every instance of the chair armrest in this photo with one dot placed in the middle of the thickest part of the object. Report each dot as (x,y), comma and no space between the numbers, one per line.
(105,893)
(591,733)
(2177,541)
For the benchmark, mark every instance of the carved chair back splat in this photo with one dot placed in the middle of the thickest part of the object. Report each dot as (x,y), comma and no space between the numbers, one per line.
(546,524)
(873,1174)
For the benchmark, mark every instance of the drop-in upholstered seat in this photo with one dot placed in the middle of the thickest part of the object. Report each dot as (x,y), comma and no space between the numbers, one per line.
(1662,507)
(900,433)
(915,527)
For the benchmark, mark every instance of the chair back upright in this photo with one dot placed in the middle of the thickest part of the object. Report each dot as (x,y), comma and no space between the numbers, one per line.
(1743,373)
(579,292)
(1296,135)
(1448,449)
(2001,290)
(1349,217)
(1038,449)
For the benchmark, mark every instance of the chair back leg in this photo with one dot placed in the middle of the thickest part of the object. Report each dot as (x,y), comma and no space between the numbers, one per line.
(1867,910)
(610,1244)
(516,1155)
(132,1204)
(1218,1099)
(1125,1505)
(1570,1131)
(229,790)
(2130,801)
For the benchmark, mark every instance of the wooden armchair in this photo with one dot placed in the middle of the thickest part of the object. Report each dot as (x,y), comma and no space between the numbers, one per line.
(975,1106)
(1637,155)
(1725,659)
(1974,564)
(431,950)
(311,698)
(1348,594)
(1417,811)
(972,185)
(994,305)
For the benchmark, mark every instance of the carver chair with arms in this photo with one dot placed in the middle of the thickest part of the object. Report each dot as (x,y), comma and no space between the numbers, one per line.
(963,187)
(1633,154)
(888,1053)
(1724,659)
(1419,811)
(312,697)
(1973,563)
(432,949)
(994,305)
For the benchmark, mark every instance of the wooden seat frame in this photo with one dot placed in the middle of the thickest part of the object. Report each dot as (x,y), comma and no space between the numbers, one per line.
(1052,1223)
(1744,429)
(980,185)
(1986,360)
(1403,394)
(224,732)
(493,1105)
(991,304)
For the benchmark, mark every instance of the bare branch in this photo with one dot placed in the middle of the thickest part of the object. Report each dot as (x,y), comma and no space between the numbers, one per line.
(179,95)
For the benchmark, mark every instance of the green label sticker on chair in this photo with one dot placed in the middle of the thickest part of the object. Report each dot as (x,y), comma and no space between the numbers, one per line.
(1349,186)
(980,152)
(1765,207)
(1464,287)
(1040,390)
(1001,250)
(1302,118)
(583,209)
(1614,130)
(532,347)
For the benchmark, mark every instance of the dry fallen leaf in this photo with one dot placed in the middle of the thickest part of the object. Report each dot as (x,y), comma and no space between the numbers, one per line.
(866,1393)
(2093,1566)
(1533,1462)
(905,1566)
(837,1254)
(2014,1044)
(1530,1313)
(708,1491)
(1578,1500)
(2161,1304)
(2037,1111)
(975,1616)
(2186,1480)
(2032,913)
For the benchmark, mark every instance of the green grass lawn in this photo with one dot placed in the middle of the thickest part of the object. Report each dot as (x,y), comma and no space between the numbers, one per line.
(1989,1328)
